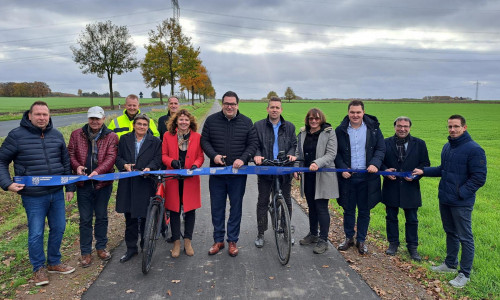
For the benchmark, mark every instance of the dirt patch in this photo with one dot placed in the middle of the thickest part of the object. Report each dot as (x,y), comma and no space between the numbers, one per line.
(389,276)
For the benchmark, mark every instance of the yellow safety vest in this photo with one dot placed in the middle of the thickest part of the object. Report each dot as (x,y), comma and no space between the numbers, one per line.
(123,125)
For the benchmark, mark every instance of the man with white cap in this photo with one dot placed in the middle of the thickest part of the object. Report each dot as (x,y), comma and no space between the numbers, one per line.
(92,151)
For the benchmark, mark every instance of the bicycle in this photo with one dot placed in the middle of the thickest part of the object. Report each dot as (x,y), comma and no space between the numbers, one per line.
(156,211)
(278,209)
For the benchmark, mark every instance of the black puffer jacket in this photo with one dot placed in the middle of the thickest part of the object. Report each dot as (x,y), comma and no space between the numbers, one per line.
(287,140)
(235,138)
(34,152)
(375,152)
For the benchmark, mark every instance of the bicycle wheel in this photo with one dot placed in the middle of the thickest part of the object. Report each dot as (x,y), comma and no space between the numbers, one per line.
(150,234)
(282,232)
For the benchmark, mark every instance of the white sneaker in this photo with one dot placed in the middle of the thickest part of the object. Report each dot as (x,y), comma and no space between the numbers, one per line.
(443,268)
(460,281)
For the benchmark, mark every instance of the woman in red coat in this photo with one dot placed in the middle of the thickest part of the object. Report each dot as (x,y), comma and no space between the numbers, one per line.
(181,150)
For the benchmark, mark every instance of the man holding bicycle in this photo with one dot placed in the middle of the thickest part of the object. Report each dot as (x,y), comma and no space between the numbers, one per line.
(275,135)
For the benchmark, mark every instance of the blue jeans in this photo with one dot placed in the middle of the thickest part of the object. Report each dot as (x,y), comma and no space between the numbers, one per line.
(358,197)
(411,226)
(92,201)
(458,227)
(52,207)
(222,186)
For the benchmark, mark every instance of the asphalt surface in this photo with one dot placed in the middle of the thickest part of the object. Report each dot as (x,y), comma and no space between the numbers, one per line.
(60,121)
(254,273)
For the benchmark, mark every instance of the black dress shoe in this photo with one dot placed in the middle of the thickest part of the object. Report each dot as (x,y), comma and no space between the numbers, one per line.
(393,248)
(346,244)
(362,249)
(414,254)
(127,256)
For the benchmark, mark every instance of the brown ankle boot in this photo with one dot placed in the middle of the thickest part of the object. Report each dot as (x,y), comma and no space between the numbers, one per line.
(188,248)
(176,251)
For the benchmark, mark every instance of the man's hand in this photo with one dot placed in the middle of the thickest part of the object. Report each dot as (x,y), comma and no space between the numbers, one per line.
(94,173)
(15,187)
(296,175)
(419,172)
(313,167)
(346,175)
(218,159)
(258,159)
(69,196)
(146,169)
(292,158)
(238,163)
(391,177)
(80,170)
(128,167)
(372,169)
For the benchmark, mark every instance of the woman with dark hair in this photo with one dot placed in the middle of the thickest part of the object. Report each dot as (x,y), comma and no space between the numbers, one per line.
(317,148)
(137,150)
(181,150)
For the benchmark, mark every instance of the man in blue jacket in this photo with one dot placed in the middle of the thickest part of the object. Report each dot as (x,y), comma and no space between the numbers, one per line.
(38,149)
(462,172)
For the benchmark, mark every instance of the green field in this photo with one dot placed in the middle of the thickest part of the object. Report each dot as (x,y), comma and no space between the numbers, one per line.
(429,123)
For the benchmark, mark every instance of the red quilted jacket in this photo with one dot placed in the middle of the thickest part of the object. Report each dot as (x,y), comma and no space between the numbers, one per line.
(106,156)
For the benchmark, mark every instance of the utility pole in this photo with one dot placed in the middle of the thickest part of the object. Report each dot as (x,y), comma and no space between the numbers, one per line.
(477,88)
(177,10)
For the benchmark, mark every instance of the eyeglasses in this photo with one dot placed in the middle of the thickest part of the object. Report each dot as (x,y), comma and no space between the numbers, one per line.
(402,127)
(230,104)
(314,118)
(454,127)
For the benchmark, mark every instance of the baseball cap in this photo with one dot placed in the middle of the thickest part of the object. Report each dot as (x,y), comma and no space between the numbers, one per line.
(95,112)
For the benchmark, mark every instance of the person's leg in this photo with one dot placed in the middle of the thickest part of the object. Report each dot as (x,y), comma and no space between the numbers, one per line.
(350,211)
(36,210)
(363,209)
(264,186)
(218,195)
(189,221)
(323,218)
(286,189)
(131,232)
(236,191)
(56,217)
(84,198)
(452,241)
(175,223)
(392,224)
(463,225)
(309,192)
(411,227)
(101,216)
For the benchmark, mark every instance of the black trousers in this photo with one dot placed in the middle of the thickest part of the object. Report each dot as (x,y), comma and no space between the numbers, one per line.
(318,209)
(265,184)
(132,228)
(411,226)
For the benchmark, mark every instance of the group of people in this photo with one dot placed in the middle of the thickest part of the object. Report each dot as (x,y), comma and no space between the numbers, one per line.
(133,142)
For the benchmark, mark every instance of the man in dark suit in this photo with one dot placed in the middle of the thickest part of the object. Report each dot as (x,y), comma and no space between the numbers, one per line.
(404,153)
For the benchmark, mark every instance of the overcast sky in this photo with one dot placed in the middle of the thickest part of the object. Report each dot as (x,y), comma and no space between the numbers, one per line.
(320,48)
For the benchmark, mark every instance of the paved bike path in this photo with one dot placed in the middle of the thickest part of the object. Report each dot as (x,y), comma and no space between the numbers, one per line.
(254,273)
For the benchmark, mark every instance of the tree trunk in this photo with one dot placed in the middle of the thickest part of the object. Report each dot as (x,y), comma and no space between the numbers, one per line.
(161,96)
(192,95)
(110,81)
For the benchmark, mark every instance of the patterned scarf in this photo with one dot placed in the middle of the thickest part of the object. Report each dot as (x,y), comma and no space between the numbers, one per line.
(93,137)
(183,140)
(400,146)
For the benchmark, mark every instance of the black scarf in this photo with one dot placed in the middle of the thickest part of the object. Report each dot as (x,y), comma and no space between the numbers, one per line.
(400,146)
(93,141)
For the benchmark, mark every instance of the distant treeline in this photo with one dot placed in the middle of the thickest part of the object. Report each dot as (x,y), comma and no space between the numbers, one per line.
(24,89)
(81,93)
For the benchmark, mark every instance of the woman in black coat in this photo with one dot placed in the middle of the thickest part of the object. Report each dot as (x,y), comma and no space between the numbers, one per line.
(137,150)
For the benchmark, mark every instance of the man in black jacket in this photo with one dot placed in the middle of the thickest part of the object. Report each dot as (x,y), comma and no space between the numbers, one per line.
(360,146)
(38,149)
(275,135)
(228,138)
(173,107)
(404,153)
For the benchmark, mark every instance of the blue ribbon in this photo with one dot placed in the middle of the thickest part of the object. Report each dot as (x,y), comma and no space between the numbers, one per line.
(53,180)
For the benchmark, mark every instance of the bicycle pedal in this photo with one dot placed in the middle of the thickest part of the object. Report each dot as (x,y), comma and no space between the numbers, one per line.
(293,241)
